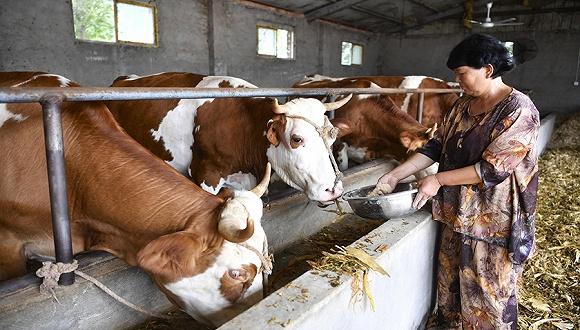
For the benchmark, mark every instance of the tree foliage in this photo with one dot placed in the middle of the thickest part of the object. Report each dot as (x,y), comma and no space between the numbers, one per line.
(94,20)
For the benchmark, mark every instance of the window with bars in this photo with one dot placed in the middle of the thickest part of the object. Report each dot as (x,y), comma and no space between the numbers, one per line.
(352,54)
(275,42)
(115,21)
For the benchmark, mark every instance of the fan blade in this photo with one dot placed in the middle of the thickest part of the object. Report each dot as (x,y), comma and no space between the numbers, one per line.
(472,21)
(509,24)
(506,20)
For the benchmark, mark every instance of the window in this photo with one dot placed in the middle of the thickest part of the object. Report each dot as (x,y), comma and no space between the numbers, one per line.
(509,45)
(120,21)
(275,42)
(352,54)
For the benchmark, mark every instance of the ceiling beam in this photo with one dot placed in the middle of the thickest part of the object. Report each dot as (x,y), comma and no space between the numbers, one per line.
(419,3)
(370,12)
(530,11)
(330,8)
(434,17)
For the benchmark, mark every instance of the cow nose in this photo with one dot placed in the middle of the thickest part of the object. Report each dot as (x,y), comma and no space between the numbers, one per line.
(336,191)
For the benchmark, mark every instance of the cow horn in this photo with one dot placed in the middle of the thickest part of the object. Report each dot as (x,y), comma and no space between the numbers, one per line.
(260,189)
(228,229)
(280,108)
(335,105)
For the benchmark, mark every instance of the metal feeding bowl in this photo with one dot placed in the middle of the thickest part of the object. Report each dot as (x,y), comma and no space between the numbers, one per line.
(393,205)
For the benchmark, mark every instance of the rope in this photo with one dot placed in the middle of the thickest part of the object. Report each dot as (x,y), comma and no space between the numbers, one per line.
(51,273)
(326,132)
(264,258)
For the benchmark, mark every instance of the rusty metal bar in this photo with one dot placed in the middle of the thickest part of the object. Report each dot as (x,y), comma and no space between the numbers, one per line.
(57,182)
(35,94)
(420,109)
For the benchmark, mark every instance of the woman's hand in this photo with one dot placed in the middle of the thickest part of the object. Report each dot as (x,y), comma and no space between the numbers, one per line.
(428,188)
(386,184)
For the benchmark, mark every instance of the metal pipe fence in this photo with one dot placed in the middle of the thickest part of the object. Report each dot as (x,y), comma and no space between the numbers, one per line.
(51,99)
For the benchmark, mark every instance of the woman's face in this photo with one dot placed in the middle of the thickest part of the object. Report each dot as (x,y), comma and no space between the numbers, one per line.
(473,81)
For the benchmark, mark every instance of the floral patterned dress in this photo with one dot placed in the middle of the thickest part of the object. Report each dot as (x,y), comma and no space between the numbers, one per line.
(488,227)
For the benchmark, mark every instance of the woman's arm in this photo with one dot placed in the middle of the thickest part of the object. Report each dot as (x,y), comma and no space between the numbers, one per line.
(464,175)
(429,186)
(386,183)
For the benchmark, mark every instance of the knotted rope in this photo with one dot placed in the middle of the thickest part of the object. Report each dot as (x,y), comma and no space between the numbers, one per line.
(50,272)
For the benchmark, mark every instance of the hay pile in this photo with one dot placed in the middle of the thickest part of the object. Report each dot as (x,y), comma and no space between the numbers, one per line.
(550,288)
(353,262)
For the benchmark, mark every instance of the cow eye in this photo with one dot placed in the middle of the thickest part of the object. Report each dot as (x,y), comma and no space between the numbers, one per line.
(296,139)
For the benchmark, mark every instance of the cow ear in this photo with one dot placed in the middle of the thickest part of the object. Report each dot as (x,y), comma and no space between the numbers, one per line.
(344,126)
(276,128)
(171,257)
(406,139)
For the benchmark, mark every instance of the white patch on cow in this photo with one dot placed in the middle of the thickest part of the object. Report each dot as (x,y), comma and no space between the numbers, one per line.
(356,154)
(308,167)
(342,157)
(317,77)
(63,82)
(196,129)
(135,77)
(177,126)
(176,131)
(6,115)
(201,293)
(410,82)
(236,181)
(366,96)
(214,82)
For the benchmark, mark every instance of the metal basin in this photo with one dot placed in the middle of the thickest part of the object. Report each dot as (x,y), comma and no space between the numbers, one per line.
(394,205)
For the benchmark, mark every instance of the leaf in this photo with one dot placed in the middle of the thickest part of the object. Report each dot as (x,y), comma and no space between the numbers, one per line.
(366,259)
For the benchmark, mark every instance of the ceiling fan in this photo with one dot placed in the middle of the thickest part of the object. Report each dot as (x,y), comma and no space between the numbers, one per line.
(487,23)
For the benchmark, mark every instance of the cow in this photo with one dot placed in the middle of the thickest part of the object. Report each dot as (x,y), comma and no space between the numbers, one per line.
(434,105)
(202,250)
(226,141)
(374,126)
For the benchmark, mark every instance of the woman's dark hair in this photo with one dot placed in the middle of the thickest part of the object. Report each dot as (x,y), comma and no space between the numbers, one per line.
(479,50)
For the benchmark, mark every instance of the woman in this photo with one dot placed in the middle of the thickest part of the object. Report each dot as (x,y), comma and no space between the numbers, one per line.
(484,192)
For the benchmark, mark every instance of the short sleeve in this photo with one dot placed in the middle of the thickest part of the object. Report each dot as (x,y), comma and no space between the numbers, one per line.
(515,136)
(433,147)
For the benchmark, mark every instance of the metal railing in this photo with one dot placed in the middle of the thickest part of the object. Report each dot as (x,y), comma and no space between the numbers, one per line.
(51,99)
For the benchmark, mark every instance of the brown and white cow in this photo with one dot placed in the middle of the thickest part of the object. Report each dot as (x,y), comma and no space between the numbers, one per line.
(128,202)
(434,105)
(374,126)
(227,141)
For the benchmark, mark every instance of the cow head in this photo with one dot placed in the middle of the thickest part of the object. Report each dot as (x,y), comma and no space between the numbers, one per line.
(414,140)
(298,152)
(210,278)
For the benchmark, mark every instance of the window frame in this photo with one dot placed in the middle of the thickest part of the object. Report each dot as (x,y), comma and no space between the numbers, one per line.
(351,53)
(115,22)
(276,27)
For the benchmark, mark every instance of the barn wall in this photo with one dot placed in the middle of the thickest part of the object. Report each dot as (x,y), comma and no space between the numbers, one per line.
(317,46)
(39,35)
(550,75)
(208,37)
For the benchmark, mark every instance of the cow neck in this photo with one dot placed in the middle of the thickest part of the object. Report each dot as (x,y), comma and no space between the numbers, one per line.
(163,200)
(239,125)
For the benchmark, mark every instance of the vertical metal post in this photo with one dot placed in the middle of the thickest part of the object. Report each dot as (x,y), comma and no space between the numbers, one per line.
(420,109)
(57,182)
